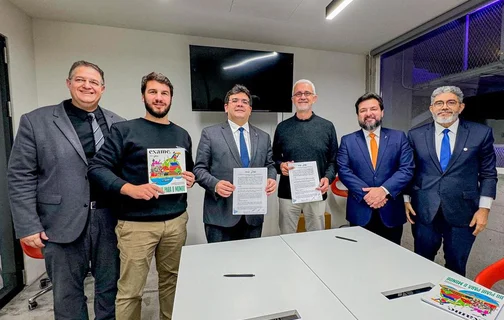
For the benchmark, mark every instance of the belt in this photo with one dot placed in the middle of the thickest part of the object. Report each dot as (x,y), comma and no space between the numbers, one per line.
(93,205)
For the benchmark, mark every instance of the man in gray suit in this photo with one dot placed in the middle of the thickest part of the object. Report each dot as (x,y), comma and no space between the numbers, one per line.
(222,147)
(53,205)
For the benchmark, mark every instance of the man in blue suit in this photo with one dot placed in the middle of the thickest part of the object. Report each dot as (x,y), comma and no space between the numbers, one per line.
(375,164)
(454,183)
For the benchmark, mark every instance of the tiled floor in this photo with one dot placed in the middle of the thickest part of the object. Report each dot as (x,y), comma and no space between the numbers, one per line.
(488,248)
(17,309)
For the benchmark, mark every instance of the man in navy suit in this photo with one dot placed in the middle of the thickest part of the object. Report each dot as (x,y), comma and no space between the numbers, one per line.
(375,164)
(454,183)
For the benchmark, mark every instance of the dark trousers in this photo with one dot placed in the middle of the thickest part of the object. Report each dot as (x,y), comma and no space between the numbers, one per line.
(457,242)
(67,265)
(242,230)
(376,226)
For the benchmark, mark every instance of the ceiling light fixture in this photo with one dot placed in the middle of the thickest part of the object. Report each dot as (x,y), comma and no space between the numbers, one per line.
(335,7)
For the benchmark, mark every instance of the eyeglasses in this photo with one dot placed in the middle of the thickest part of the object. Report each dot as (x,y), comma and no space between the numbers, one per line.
(449,103)
(92,82)
(300,94)
(243,101)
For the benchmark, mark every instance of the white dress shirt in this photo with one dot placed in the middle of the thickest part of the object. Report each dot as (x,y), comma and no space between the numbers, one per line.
(368,139)
(377,132)
(438,136)
(485,202)
(236,135)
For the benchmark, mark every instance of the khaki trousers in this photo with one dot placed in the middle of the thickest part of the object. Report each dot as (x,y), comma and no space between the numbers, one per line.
(138,242)
(289,214)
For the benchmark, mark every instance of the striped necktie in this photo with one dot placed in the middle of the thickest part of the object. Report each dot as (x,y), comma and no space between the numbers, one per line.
(97,133)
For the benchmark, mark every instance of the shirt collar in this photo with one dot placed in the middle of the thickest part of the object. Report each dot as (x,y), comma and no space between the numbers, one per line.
(235,127)
(453,128)
(78,112)
(376,132)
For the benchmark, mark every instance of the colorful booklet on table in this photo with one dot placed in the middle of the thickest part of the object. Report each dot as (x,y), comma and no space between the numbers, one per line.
(465,298)
(165,167)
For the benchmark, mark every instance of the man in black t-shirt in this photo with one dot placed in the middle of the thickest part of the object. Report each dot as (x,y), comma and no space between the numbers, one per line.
(150,223)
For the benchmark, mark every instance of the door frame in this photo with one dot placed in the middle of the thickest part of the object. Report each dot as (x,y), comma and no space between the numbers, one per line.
(15,262)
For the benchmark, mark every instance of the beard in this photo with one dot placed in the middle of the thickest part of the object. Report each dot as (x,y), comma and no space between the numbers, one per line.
(370,126)
(442,120)
(303,107)
(157,114)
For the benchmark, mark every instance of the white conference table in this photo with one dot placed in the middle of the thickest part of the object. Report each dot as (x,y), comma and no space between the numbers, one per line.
(315,273)
(282,282)
(358,272)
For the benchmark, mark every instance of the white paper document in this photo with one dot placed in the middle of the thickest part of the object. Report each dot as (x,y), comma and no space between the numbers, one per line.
(249,196)
(304,180)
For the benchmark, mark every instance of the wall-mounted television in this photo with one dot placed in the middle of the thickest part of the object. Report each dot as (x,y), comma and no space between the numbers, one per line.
(267,74)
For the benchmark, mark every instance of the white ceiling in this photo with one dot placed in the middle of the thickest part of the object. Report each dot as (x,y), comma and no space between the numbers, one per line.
(361,27)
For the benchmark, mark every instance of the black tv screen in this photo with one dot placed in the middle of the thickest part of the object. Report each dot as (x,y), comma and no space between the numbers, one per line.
(267,74)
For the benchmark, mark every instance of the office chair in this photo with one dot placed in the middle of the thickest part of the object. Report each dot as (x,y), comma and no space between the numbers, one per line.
(339,189)
(491,274)
(45,283)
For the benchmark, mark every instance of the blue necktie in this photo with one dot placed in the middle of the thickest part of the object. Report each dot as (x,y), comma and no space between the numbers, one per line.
(445,153)
(243,149)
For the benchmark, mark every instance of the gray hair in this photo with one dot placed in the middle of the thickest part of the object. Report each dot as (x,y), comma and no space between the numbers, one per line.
(304,81)
(447,89)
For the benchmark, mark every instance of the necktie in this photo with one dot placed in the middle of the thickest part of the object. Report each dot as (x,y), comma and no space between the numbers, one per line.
(243,149)
(97,133)
(374,149)
(445,153)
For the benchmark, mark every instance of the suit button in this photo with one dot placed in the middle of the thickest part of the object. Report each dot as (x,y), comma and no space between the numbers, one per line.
(85,205)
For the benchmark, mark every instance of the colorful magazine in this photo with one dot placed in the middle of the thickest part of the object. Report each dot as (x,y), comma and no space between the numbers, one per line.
(465,298)
(165,167)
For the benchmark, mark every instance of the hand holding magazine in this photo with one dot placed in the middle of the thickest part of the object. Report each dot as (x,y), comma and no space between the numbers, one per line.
(165,167)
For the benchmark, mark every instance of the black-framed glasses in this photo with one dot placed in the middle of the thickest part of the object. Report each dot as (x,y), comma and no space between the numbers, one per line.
(245,102)
(449,103)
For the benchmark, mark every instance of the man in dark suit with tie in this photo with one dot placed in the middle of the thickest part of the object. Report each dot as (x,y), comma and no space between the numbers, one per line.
(53,205)
(454,182)
(222,147)
(375,164)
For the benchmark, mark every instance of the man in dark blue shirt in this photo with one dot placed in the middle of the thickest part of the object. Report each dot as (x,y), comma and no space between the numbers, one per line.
(304,137)
(150,223)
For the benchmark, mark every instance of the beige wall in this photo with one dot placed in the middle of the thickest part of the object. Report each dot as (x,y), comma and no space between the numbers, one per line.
(127,55)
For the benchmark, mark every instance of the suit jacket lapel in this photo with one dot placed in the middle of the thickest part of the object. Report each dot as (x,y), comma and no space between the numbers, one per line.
(431,146)
(361,142)
(460,141)
(109,117)
(254,139)
(63,123)
(228,136)
(384,140)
